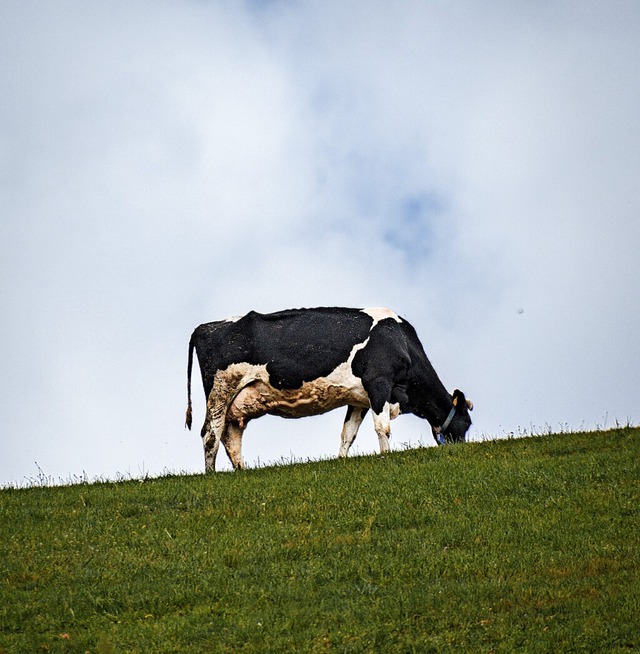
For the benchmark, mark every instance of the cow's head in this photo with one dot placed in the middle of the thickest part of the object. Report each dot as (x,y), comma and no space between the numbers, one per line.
(455,427)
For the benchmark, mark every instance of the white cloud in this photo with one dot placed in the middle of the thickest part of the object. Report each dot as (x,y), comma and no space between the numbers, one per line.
(167,164)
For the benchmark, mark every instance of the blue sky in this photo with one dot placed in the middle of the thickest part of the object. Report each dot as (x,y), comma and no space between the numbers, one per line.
(164,164)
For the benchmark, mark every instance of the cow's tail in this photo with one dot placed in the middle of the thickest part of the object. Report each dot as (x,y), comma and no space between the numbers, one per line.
(188,418)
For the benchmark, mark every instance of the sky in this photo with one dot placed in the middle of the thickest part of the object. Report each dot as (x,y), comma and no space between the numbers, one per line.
(473,166)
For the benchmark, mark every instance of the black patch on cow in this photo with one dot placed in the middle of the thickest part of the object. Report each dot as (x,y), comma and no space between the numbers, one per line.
(296,345)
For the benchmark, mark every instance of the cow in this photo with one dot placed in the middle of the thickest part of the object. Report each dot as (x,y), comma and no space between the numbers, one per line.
(304,362)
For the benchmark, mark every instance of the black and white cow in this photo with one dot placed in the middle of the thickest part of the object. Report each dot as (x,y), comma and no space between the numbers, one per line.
(304,362)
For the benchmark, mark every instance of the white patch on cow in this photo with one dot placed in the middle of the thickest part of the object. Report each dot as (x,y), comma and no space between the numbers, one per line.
(232,319)
(381,313)
(252,394)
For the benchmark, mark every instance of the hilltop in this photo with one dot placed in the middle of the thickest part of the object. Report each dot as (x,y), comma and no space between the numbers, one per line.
(528,544)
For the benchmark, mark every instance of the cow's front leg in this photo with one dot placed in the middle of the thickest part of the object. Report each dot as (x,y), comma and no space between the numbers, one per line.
(380,393)
(232,441)
(352,423)
(382,425)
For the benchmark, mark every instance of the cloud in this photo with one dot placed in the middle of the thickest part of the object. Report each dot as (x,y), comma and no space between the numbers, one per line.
(166,164)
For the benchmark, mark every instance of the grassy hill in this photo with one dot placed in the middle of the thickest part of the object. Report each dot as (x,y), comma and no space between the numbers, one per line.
(528,545)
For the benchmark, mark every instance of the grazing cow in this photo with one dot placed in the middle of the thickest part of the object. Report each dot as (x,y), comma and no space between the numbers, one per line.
(304,362)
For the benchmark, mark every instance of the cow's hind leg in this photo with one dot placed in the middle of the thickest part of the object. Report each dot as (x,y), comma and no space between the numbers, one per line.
(214,426)
(210,444)
(210,457)
(352,423)
(232,441)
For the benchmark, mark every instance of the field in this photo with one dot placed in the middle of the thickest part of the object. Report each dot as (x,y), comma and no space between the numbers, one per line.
(528,545)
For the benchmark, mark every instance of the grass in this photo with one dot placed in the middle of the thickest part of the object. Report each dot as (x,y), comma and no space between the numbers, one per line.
(527,545)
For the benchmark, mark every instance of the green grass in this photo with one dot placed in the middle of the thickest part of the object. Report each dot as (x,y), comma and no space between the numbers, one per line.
(529,545)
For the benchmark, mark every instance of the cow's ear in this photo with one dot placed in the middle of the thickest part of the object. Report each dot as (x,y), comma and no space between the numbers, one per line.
(459,400)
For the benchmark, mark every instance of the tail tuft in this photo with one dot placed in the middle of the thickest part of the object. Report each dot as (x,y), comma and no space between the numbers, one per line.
(187,422)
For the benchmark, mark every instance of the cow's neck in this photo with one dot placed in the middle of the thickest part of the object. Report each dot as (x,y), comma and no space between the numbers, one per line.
(433,402)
